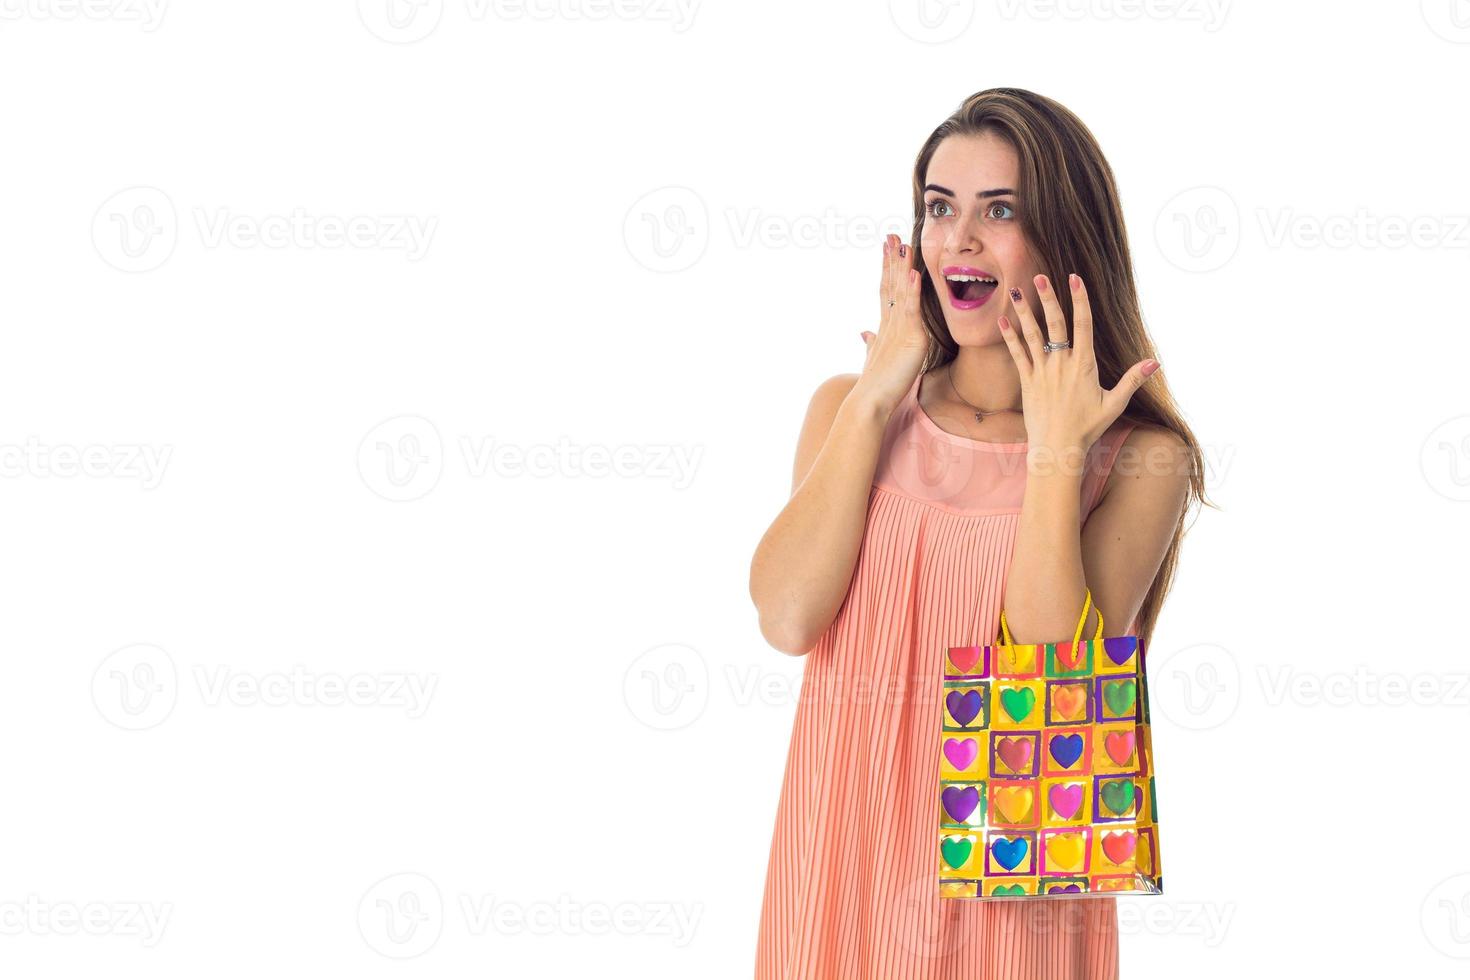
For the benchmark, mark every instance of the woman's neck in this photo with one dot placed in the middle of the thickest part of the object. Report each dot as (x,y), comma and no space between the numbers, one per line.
(984,377)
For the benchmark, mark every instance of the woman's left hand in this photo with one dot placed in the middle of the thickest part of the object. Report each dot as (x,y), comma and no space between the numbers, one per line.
(1065,407)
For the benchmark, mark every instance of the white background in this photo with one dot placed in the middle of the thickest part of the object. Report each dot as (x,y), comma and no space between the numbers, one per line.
(248,465)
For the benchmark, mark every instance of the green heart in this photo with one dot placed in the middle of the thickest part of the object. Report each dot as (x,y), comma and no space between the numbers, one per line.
(956,852)
(1120,696)
(1008,890)
(1018,702)
(1118,797)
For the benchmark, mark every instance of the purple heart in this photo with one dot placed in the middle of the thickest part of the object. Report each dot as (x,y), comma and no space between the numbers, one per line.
(963,705)
(961,752)
(961,801)
(1067,889)
(1065,799)
(1120,648)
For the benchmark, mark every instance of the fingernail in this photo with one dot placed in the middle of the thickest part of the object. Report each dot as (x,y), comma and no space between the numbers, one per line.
(1004,323)
(1041,283)
(1076,281)
(903,250)
(1015,294)
(1150,367)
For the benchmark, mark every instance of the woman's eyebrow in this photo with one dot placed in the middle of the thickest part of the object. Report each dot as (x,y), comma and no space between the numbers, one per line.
(981,194)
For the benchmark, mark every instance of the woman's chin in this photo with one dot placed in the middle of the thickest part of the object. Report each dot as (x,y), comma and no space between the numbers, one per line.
(975,333)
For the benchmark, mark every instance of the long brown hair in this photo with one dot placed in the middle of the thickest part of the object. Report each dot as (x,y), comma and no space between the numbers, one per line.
(1073,223)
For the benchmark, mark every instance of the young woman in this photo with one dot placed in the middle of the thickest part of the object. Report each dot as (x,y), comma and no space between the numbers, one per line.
(1009,444)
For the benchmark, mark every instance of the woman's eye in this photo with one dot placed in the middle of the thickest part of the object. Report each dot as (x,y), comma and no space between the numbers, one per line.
(1002,206)
(933,205)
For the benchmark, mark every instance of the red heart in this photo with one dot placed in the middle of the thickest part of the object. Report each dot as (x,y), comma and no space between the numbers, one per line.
(1119,847)
(964,658)
(1068,656)
(1120,747)
(1015,752)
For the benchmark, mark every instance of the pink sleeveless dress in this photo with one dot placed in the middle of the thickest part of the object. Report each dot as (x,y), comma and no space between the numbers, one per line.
(852,883)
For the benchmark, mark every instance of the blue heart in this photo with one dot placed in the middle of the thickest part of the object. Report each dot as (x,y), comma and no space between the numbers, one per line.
(1066,749)
(963,706)
(1009,852)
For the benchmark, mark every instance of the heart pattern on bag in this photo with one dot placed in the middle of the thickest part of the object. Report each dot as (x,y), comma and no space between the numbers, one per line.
(1047,766)
(1009,851)
(1119,746)
(964,658)
(1018,702)
(961,752)
(1066,749)
(963,706)
(1015,753)
(1013,803)
(960,802)
(1065,800)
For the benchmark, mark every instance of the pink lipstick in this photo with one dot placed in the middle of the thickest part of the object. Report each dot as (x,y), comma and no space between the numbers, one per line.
(969,288)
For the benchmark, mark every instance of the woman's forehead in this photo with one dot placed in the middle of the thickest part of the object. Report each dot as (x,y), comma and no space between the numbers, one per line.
(971,164)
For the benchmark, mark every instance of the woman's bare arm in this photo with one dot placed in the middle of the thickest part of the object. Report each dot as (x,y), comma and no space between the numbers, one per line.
(1118,552)
(803,565)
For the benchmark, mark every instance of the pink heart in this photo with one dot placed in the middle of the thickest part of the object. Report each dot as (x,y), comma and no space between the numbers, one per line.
(1065,799)
(1120,747)
(961,752)
(1015,752)
(964,658)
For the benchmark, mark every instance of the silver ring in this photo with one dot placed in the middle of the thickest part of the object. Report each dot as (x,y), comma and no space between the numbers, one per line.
(1052,345)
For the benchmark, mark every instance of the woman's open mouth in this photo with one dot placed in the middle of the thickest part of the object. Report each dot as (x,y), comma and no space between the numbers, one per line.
(969,288)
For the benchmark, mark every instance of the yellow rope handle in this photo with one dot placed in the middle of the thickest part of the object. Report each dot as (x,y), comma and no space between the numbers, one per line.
(1005,631)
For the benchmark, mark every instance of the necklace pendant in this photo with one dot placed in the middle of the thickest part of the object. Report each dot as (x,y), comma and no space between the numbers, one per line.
(979,417)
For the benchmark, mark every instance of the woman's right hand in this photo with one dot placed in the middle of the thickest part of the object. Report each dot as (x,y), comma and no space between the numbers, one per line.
(896,352)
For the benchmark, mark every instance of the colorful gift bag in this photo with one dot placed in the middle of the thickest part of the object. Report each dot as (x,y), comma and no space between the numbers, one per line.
(1046,785)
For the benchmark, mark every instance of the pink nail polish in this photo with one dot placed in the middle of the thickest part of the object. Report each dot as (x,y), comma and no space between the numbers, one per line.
(1076,281)
(1041,283)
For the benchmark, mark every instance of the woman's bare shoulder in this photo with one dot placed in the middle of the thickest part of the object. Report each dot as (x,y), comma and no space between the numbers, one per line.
(1151,454)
